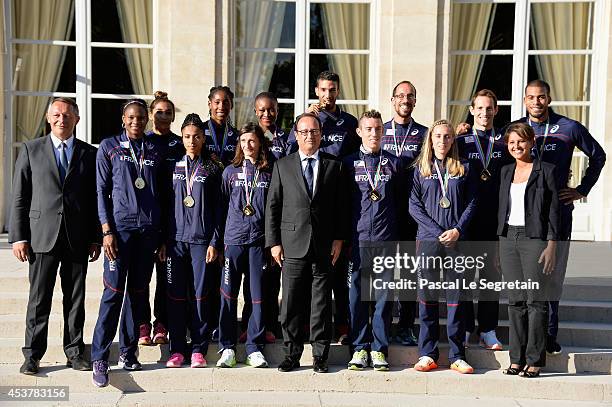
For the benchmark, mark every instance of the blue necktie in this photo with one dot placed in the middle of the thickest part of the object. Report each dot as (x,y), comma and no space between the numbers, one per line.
(63,167)
(309,176)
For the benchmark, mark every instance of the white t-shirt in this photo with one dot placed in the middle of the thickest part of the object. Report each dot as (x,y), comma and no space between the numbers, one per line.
(516,216)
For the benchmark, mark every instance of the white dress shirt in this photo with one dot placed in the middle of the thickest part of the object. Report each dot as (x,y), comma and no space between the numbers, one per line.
(315,166)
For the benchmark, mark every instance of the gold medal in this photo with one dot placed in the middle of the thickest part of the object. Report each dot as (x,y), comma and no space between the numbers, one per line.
(375,196)
(445,203)
(485,175)
(248,210)
(140,183)
(189,201)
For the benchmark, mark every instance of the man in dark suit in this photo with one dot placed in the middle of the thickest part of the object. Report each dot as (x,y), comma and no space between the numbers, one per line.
(54,223)
(306,223)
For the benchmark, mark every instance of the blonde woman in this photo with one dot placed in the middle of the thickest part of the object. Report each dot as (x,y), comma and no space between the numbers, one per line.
(442,202)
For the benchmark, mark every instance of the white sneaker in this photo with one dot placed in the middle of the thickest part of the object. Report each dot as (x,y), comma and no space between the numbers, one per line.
(359,360)
(489,340)
(379,362)
(227,359)
(257,359)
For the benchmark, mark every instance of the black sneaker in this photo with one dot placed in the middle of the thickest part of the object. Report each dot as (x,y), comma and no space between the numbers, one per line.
(552,347)
(127,362)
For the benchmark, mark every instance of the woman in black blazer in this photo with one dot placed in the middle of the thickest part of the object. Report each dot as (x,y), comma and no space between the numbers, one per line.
(528,224)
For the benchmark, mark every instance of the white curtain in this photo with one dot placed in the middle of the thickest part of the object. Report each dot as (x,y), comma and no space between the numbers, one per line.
(137,27)
(567,74)
(471,29)
(259,24)
(346,26)
(39,65)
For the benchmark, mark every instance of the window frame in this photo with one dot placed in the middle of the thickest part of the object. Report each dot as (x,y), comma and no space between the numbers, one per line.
(302,53)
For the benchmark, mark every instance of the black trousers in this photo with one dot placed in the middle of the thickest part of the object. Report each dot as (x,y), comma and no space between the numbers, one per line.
(527,309)
(42,274)
(488,301)
(296,275)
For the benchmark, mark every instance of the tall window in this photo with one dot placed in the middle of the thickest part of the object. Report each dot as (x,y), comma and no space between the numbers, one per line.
(99,52)
(281,46)
(501,45)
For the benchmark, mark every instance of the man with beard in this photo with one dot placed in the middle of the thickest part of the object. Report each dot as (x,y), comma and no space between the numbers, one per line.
(402,137)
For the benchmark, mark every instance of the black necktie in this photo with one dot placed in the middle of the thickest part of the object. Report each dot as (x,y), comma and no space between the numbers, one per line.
(63,167)
(309,176)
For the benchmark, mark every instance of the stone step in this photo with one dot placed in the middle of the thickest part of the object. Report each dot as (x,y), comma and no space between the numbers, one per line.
(572,360)
(443,382)
(299,399)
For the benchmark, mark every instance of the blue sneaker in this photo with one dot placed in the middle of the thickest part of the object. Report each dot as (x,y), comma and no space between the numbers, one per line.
(100,373)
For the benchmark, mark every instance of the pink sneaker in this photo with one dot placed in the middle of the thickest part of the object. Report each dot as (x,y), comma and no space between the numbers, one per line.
(160,334)
(270,337)
(176,360)
(198,360)
(145,335)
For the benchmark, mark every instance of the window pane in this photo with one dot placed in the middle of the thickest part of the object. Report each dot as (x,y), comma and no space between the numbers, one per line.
(265,71)
(492,72)
(110,72)
(569,76)
(265,24)
(106,21)
(36,25)
(39,68)
(339,26)
(561,25)
(106,118)
(353,71)
(502,31)
(472,25)
(286,114)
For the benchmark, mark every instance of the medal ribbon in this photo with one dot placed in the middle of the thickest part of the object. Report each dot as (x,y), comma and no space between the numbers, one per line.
(376,175)
(330,114)
(485,160)
(249,194)
(443,184)
(138,163)
(399,150)
(541,150)
(190,175)
(213,133)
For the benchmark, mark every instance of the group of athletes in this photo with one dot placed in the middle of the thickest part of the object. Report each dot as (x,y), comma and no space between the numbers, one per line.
(196,202)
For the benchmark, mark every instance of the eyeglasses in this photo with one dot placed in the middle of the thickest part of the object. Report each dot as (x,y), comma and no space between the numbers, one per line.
(312,132)
(409,96)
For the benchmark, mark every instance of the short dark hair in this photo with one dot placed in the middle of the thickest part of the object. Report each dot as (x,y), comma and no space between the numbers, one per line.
(401,83)
(69,101)
(266,95)
(328,76)
(138,102)
(486,93)
(308,114)
(538,83)
(370,114)
(193,119)
(524,131)
(226,89)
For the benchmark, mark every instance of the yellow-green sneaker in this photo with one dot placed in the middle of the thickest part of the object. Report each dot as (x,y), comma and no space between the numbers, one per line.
(379,362)
(359,360)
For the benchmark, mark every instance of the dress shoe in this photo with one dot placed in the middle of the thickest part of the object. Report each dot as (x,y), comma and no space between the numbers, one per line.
(29,367)
(319,365)
(288,365)
(78,363)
